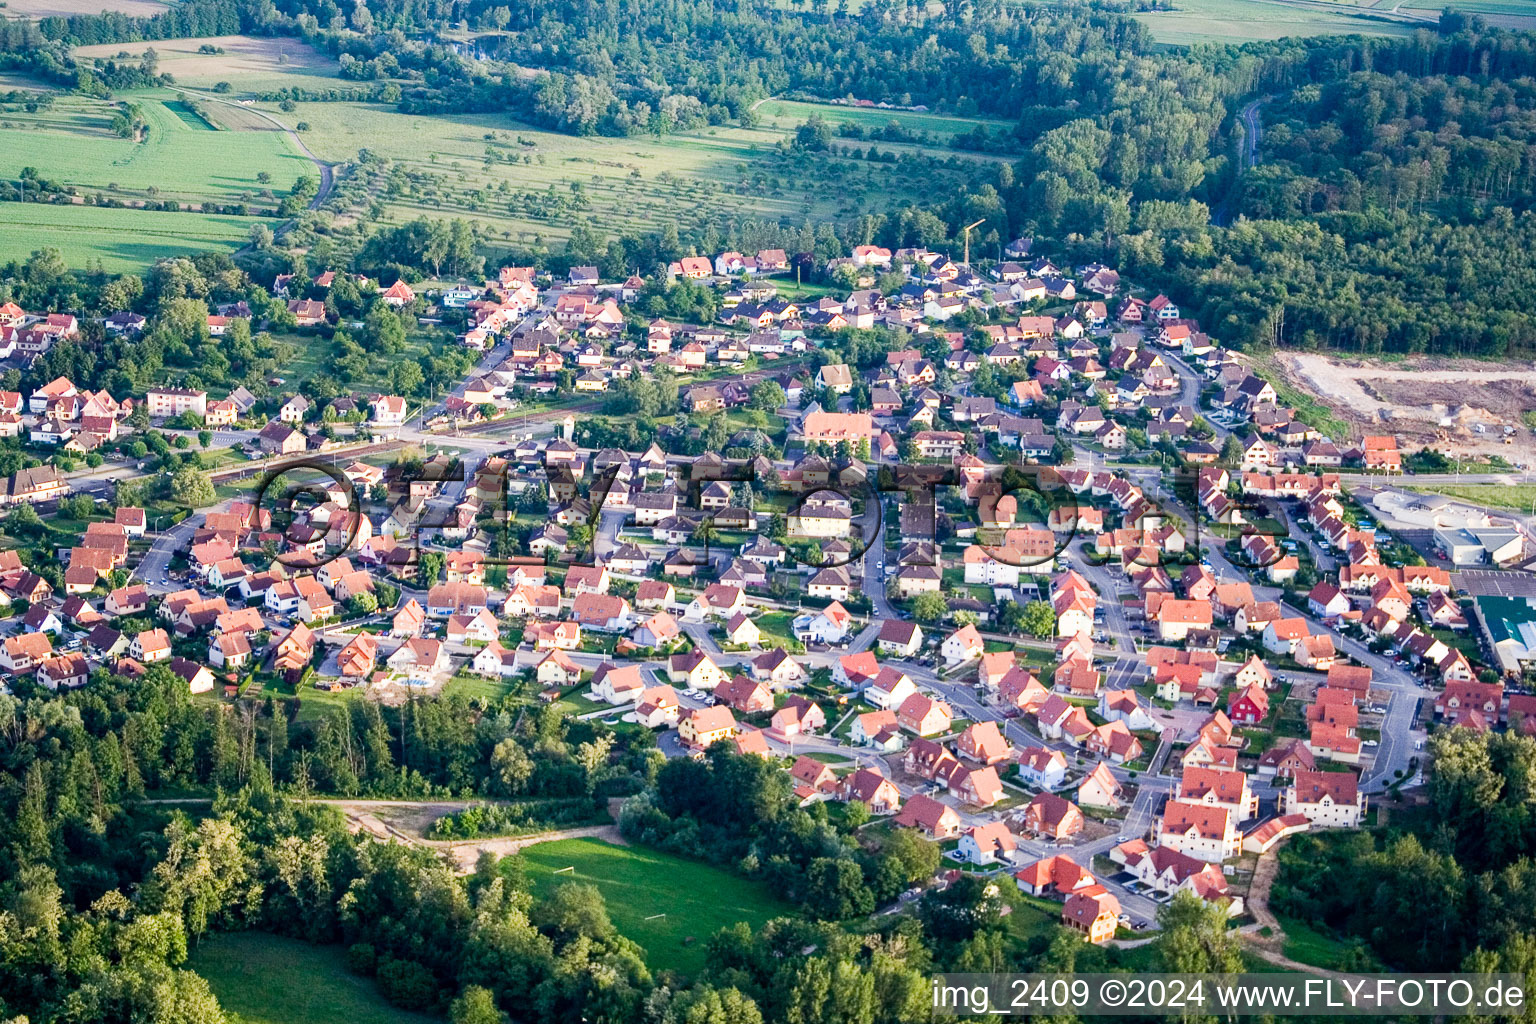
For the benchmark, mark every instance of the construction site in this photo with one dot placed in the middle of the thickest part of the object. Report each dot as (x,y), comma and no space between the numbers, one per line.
(1463,408)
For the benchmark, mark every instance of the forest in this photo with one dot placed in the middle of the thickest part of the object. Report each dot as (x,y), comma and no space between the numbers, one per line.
(103,891)
(1453,885)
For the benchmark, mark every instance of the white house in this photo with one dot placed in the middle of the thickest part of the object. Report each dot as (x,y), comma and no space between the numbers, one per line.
(827,626)
(889,688)
(1204,831)
(989,843)
(961,646)
(617,684)
(1042,767)
(1327,799)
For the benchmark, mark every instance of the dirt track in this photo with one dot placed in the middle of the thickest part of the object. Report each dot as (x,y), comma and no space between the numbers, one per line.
(407,822)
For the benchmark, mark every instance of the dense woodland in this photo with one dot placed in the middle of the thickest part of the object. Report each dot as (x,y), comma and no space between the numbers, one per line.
(1392,210)
(105,891)
(1453,885)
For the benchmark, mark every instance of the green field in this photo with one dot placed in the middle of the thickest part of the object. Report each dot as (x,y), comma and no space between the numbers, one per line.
(189,117)
(1239,21)
(267,979)
(1520,497)
(697,899)
(179,158)
(1505,13)
(520,182)
(124,240)
(786,114)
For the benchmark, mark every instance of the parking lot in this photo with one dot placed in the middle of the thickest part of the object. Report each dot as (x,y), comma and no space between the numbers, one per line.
(1494,583)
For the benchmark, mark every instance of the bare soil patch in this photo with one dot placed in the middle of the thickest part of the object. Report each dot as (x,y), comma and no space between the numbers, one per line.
(1439,400)
(66,8)
(243,55)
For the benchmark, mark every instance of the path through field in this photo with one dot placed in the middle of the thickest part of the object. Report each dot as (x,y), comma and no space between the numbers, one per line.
(406,821)
(327,177)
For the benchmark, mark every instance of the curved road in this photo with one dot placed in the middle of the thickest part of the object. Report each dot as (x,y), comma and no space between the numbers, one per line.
(1252,129)
(1247,156)
(327,176)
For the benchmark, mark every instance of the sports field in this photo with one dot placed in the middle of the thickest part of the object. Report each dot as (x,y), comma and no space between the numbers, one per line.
(522,182)
(695,899)
(123,240)
(266,979)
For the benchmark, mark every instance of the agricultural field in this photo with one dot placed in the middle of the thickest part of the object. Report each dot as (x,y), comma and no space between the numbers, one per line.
(521,182)
(1239,21)
(248,63)
(14,80)
(121,239)
(180,156)
(786,114)
(1516,14)
(66,8)
(267,979)
(696,899)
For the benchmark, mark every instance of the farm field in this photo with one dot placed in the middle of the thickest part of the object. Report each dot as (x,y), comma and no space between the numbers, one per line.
(181,157)
(520,182)
(65,8)
(122,239)
(786,114)
(13,80)
(1518,14)
(267,979)
(698,899)
(249,63)
(1238,21)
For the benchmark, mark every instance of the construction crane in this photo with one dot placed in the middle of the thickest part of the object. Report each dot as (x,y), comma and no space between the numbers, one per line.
(967,231)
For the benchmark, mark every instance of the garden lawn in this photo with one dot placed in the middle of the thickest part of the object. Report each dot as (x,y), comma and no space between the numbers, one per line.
(775,628)
(266,979)
(1031,916)
(472,686)
(697,899)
